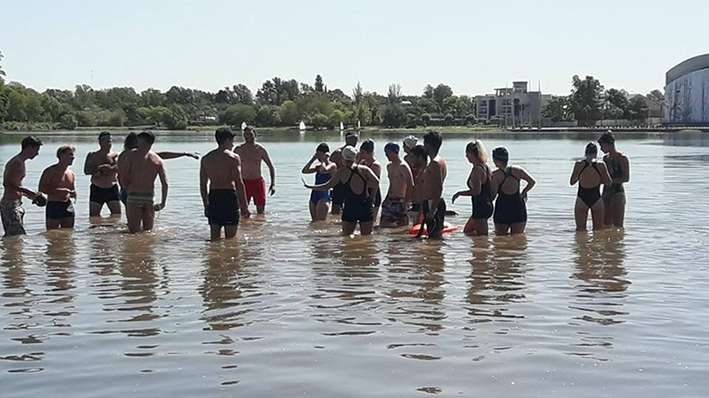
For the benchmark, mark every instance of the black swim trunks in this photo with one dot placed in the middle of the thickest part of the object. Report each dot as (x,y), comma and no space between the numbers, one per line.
(59,210)
(223,208)
(435,227)
(103,195)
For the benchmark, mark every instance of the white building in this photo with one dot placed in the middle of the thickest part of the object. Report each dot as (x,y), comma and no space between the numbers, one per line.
(514,106)
(687,92)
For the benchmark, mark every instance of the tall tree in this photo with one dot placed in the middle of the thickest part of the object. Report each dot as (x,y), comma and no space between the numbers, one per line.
(394,94)
(318,84)
(440,93)
(357,94)
(242,94)
(656,95)
(587,100)
(2,72)
(558,108)
(428,91)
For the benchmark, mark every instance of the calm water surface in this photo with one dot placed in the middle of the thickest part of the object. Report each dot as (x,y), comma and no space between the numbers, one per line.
(292,309)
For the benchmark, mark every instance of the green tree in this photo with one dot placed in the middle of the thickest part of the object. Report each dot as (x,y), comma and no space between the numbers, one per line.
(394,116)
(449,119)
(68,122)
(318,84)
(558,108)
(268,115)
(242,94)
(290,115)
(318,120)
(440,93)
(638,109)
(2,72)
(426,119)
(656,95)
(394,94)
(428,91)
(587,100)
(616,105)
(237,114)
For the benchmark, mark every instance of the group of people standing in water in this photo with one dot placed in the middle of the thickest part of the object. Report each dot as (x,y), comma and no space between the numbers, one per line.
(347,182)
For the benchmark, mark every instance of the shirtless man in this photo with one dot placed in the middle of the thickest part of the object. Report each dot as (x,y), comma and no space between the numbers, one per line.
(102,166)
(221,169)
(57,181)
(614,199)
(137,175)
(337,193)
(130,144)
(401,186)
(419,160)
(11,204)
(434,207)
(367,158)
(252,154)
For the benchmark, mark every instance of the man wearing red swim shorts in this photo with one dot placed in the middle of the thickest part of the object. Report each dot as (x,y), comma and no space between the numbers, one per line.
(252,154)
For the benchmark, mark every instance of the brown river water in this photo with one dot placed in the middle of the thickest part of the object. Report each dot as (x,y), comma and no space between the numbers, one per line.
(293,309)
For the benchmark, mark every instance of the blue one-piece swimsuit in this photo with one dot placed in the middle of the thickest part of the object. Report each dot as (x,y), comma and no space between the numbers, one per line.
(317,196)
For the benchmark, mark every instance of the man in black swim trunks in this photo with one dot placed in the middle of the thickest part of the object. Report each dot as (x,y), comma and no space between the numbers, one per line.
(57,181)
(337,194)
(221,169)
(102,166)
(434,207)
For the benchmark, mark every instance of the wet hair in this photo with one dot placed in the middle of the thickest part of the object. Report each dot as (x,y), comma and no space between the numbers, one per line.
(367,146)
(222,134)
(351,137)
(478,149)
(434,139)
(591,148)
(131,141)
(103,135)
(64,149)
(324,148)
(607,138)
(419,151)
(147,136)
(250,128)
(500,154)
(31,142)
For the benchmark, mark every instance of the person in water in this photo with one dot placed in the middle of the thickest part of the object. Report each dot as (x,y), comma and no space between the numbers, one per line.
(130,143)
(401,185)
(418,160)
(252,154)
(434,176)
(57,182)
(589,174)
(324,170)
(510,209)
(11,210)
(614,194)
(222,187)
(479,182)
(338,192)
(102,166)
(367,158)
(409,144)
(137,175)
(360,184)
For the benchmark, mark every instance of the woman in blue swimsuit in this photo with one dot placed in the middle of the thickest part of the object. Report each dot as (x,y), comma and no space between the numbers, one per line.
(590,174)
(323,170)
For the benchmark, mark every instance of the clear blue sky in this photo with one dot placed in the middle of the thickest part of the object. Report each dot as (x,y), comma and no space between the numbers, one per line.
(473,46)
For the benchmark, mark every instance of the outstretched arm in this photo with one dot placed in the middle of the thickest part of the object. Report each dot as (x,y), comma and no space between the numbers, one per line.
(165,155)
(327,185)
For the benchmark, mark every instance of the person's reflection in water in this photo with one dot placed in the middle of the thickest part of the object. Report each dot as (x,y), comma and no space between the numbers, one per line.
(222,289)
(416,281)
(602,287)
(138,285)
(61,250)
(13,268)
(345,283)
(496,279)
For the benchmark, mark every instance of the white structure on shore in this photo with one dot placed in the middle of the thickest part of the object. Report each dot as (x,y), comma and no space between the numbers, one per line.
(687,92)
(516,106)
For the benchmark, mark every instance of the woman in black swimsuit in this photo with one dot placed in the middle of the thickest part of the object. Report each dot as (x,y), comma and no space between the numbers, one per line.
(479,188)
(510,209)
(619,169)
(590,174)
(360,184)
